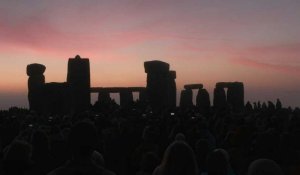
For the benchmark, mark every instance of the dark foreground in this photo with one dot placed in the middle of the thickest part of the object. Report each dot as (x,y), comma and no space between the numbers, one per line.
(264,140)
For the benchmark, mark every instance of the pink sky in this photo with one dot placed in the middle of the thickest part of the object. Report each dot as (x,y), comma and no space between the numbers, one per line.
(257,42)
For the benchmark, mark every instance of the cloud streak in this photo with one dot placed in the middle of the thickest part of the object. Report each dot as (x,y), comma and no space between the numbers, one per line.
(268,66)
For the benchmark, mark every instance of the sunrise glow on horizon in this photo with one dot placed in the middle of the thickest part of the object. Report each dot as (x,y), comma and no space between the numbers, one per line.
(204,41)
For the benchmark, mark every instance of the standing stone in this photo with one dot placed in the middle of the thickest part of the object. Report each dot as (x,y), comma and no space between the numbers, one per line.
(126,98)
(186,98)
(219,98)
(222,85)
(203,101)
(78,80)
(235,95)
(157,83)
(240,101)
(36,83)
(104,97)
(172,90)
(56,98)
(143,96)
(231,95)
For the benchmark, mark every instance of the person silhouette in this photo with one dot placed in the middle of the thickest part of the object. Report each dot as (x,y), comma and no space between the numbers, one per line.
(264,167)
(179,159)
(41,156)
(218,163)
(17,158)
(82,143)
(148,163)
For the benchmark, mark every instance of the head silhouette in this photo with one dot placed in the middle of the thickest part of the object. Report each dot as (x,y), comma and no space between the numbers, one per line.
(149,162)
(83,140)
(201,151)
(264,167)
(179,159)
(39,141)
(218,162)
(17,158)
(98,158)
(180,137)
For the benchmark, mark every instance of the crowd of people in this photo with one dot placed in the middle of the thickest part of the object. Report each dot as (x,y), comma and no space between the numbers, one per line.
(258,140)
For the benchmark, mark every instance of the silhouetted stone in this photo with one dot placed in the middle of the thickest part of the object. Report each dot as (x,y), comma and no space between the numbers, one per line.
(186,98)
(116,89)
(172,74)
(156,67)
(203,101)
(126,97)
(235,95)
(143,96)
(240,97)
(35,69)
(56,98)
(36,82)
(136,89)
(193,86)
(172,89)
(104,97)
(157,83)
(222,85)
(78,79)
(219,98)
(35,100)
